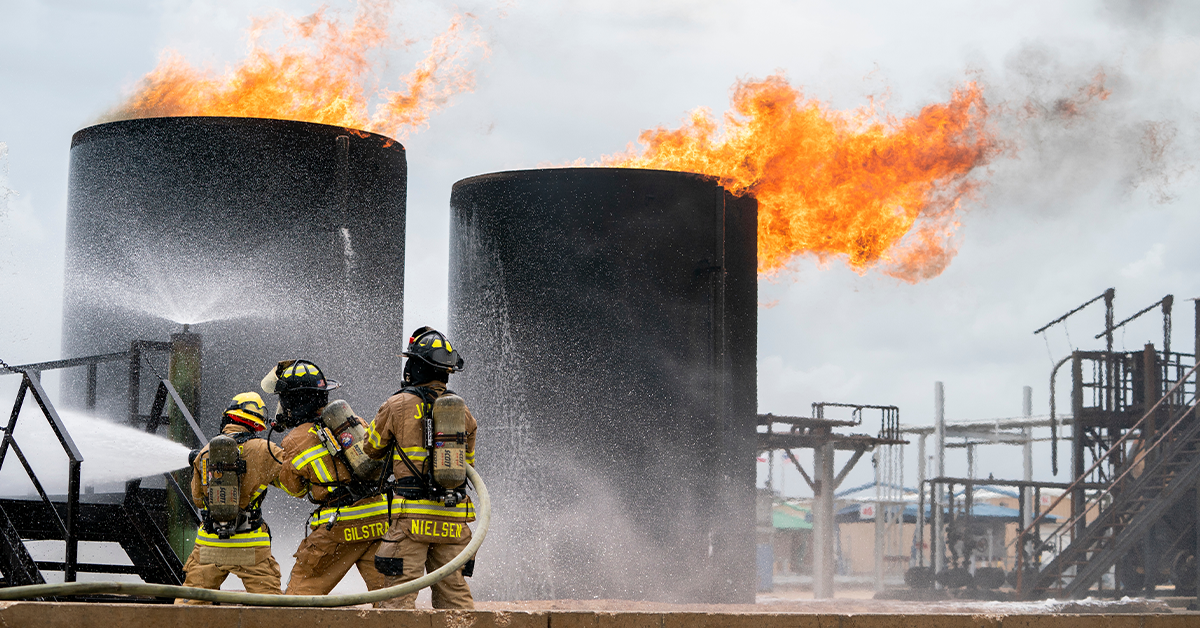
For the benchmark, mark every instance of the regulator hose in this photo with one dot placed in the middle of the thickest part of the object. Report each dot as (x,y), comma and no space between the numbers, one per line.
(260,599)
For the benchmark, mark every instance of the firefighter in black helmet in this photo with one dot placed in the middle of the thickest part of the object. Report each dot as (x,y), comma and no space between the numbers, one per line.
(429,519)
(303,391)
(346,527)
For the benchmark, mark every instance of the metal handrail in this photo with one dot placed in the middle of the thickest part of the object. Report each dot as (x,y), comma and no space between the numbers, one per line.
(30,382)
(1116,446)
(165,389)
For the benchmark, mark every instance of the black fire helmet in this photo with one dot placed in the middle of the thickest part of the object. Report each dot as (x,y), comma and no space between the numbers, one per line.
(430,346)
(296,375)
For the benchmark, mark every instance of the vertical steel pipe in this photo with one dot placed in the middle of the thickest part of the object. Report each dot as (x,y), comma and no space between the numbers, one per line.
(1026,453)
(938,535)
(824,526)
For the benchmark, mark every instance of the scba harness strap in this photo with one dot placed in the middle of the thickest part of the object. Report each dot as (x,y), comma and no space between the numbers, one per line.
(249,519)
(420,485)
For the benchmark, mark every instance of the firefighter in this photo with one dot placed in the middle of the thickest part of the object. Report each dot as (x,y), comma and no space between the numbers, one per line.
(428,526)
(242,545)
(351,515)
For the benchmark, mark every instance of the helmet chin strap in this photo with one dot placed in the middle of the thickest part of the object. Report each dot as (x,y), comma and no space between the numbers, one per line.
(417,372)
(306,411)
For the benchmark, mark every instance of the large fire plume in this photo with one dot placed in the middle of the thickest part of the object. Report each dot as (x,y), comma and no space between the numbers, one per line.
(877,190)
(323,73)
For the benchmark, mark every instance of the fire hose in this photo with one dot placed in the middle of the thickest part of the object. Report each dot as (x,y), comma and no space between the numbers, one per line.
(261,599)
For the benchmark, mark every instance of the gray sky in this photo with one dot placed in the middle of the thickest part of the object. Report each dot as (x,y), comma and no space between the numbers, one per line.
(1079,204)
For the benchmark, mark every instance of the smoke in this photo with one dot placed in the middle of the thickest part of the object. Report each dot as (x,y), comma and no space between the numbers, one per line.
(5,191)
(1098,128)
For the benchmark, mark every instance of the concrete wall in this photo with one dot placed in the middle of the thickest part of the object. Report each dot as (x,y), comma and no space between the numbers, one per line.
(76,615)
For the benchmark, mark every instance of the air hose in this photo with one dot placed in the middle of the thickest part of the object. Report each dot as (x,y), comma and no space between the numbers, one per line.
(260,599)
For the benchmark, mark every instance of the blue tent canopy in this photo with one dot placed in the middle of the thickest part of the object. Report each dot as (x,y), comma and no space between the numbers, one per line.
(851,513)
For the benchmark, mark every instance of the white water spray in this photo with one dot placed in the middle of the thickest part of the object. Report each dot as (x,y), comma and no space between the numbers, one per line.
(213,290)
(112,453)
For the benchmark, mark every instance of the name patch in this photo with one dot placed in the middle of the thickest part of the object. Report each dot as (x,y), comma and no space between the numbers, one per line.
(442,529)
(365,532)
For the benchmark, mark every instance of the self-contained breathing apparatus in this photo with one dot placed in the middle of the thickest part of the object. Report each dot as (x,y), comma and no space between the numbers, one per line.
(220,476)
(444,427)
(343,434)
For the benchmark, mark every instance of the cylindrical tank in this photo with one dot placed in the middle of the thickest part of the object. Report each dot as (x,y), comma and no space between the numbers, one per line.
(608,318)
(273,239)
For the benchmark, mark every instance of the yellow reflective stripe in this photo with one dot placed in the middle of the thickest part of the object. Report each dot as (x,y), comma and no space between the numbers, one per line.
(258,491)
(285,489)
(322,471)
(430,507)
(413,453)
(308,455)
(373,437)
(471,458)
(370,509)
(257,538)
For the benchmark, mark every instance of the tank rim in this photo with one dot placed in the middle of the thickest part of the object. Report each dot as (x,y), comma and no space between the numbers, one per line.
(503,175)
(98,131)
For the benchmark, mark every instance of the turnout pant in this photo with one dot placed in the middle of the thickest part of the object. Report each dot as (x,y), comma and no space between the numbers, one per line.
(414,546)
(261,577)
(324,558)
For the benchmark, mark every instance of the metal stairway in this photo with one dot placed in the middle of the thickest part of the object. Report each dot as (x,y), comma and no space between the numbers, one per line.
(1113,521)
(135,519)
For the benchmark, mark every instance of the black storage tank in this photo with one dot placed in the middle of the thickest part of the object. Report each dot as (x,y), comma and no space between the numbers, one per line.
(274,239)
(609,322)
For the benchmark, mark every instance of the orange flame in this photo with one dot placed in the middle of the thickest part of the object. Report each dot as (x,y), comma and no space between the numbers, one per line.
(832,183)
(321,75)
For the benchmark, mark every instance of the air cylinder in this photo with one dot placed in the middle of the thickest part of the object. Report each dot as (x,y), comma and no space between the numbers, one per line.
(608,320)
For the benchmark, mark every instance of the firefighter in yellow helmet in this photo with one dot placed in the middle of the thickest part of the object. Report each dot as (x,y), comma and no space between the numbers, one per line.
(241,545)
(429,519)
(351,515)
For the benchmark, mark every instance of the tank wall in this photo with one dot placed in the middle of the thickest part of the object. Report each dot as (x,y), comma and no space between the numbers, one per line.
(608,317)
(275,239)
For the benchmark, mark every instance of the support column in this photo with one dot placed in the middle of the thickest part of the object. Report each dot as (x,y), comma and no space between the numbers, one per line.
(1027,454)
(1078,429)
(879,521)
(1196,553)
(920,540)
(823,524)
(938,534)
(184,373)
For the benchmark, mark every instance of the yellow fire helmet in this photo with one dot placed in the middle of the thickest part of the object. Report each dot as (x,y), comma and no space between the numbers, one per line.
(248,409)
